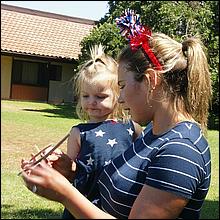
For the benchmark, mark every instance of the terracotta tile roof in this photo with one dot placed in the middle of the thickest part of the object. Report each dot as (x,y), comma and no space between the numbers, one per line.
(33,32)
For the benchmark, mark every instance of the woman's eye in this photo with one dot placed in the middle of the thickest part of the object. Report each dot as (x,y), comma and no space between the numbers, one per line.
(85,96)
(121,87)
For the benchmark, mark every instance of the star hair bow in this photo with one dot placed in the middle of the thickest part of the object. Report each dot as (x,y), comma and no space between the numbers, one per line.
(137,34)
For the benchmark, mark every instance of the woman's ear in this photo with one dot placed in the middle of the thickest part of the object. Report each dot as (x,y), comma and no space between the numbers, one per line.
(153,77)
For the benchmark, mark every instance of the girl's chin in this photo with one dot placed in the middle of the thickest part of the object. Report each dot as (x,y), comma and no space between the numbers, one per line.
(136,120)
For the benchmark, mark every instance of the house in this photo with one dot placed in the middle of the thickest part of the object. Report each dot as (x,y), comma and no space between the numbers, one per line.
(38,54)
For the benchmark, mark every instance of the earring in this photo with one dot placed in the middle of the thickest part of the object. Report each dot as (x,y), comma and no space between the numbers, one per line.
(150,94)
(153,88)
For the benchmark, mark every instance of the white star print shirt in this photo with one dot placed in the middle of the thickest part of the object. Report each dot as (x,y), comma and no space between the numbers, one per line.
(100,144)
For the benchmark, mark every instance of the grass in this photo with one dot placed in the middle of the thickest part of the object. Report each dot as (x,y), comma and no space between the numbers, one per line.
(25,124)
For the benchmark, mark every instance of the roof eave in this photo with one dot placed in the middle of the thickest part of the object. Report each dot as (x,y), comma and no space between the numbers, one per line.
(42,57)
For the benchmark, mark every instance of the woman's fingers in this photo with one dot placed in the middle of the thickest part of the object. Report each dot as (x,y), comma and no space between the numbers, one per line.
(24,163)
(45,181)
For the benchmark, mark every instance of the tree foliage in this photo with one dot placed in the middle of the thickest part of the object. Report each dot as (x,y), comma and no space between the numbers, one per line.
(108,35)
(178,19)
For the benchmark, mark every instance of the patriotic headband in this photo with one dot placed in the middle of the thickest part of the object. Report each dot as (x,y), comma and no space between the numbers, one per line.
(137,35)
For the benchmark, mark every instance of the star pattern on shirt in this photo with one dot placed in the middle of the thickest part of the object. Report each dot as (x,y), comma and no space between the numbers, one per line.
(130,131)
(90,161)
(112,142)
(99,133)
(107,162)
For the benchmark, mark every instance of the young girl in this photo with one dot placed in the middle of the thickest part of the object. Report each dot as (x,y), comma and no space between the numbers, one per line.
(92,145)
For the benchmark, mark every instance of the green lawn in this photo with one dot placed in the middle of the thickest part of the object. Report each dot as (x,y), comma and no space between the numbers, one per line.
(25,124)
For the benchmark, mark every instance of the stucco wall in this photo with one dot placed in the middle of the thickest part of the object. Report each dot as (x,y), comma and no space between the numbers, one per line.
(6,67)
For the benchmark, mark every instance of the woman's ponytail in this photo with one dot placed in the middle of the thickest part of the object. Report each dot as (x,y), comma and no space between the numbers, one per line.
(199,81)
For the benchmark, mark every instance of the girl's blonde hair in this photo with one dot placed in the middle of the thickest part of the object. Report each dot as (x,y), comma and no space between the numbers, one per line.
(99,67)
(185,75)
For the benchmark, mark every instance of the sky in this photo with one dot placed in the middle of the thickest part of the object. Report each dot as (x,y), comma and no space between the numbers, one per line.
(93,10)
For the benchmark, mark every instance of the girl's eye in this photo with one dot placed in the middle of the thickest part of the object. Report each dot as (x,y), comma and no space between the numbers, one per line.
(101,97)
(85,96)
(121,86)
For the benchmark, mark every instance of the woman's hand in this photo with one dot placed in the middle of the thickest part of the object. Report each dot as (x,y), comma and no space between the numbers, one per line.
(46,182)
(49,183)
(57,159)
(27,163)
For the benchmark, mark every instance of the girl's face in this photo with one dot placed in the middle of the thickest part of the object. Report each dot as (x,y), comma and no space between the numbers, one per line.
(97,100)
(133,95)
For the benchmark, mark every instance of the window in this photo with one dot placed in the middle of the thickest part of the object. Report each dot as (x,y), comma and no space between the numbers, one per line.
(17,72)
(43,75)
(55,72)
(29,73)
(34,73)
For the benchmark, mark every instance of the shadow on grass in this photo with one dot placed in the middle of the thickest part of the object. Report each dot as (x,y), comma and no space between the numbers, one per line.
(61,111)
(210,210)
(7,213)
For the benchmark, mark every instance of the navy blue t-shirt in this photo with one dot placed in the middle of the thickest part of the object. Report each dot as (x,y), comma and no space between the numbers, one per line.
(177,161)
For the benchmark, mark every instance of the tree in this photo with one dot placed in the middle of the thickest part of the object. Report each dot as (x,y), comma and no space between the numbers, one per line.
(108,35)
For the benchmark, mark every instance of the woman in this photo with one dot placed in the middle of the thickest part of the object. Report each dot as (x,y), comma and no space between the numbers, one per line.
(166,172)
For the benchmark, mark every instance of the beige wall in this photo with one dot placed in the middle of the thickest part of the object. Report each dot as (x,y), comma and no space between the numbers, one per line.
(6,69)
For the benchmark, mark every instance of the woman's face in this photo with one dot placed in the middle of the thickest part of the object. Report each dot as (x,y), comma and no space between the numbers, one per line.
(133,95)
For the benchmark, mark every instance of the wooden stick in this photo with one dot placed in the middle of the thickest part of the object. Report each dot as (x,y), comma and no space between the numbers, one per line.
(37,148)
(47,154)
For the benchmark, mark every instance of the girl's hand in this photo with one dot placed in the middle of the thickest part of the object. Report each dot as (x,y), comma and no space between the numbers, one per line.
(65,166)
(27,162)
(46,182)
